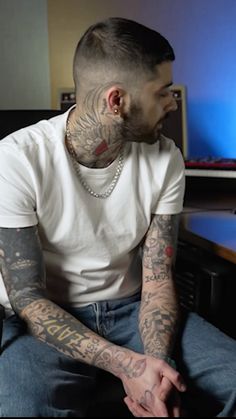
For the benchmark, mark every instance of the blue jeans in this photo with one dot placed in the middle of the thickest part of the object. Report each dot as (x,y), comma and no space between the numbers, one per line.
(38,381)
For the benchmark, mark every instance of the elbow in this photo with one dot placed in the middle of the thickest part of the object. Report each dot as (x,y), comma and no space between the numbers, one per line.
(20,302)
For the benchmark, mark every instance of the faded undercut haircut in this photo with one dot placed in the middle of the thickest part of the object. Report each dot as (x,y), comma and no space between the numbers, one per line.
(118,49)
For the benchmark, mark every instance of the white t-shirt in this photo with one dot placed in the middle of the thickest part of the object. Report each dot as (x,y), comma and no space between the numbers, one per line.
(90,245)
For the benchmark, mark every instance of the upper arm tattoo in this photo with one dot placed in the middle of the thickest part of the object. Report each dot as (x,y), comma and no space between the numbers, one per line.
(160,247)
(21,265)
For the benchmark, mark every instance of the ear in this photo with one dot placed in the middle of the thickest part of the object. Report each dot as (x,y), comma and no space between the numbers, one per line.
(118,100)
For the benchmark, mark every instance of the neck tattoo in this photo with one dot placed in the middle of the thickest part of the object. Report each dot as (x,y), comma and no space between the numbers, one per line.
(83,182)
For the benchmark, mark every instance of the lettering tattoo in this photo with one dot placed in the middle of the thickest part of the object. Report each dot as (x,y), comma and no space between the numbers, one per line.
(65,333)
(22,268)
(159,309)
(60,330)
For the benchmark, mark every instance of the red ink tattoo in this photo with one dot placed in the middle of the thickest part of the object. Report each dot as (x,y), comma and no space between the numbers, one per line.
(169,251)
(101,148)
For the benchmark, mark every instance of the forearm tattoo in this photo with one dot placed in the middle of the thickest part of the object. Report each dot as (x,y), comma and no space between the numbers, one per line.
(22,268)
(159,308)
(65,333)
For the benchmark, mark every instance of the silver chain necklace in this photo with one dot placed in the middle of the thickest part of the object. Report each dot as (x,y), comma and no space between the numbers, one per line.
(83,182)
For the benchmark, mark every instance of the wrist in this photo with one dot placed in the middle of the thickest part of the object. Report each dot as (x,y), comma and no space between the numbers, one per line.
(119,361)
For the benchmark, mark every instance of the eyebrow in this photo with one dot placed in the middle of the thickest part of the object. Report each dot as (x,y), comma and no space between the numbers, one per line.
(167,85)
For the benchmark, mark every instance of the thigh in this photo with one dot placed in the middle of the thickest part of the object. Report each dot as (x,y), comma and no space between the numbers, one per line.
(38,381)
(207,358)
(121,321)
(115,320)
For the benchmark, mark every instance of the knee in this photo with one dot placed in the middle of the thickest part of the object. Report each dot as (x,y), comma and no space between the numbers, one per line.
(19,395)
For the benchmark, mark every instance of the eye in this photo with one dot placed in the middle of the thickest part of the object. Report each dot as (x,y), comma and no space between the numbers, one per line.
(165,92)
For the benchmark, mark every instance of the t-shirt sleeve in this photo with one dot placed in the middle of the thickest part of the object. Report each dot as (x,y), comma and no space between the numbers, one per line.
(17,196)
(172,192)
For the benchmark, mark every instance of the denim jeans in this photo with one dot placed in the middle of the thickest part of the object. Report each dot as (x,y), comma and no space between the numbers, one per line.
(38,381)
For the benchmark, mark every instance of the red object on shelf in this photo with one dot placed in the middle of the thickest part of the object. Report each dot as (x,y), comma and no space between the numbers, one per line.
(204,163)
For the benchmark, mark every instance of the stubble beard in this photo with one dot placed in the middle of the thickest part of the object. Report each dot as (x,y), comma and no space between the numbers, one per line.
(133,129)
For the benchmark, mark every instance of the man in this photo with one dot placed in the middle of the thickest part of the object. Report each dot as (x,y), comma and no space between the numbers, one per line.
(88,215)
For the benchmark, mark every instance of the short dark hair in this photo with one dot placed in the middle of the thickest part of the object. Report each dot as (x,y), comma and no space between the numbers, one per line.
(120,43)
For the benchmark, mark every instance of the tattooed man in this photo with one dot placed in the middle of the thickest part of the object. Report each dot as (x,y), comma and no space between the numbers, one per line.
(89,211)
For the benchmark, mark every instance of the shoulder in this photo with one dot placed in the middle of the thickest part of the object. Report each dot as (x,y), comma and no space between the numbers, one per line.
(41,134)
(163,153)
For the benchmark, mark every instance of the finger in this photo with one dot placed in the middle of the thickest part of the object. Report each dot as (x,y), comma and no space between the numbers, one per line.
(175,410)
(174,376)
(165,389)
(168,394)
(136,409)
(176,406)
(152,402)
(159,410)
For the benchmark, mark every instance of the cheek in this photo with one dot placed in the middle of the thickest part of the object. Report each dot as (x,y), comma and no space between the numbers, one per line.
(155,114)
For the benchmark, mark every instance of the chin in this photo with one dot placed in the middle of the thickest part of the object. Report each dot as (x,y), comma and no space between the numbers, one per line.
(154,139)
(151,141)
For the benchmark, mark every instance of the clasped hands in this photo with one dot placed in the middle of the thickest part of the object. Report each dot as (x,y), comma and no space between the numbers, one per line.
(154,393)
